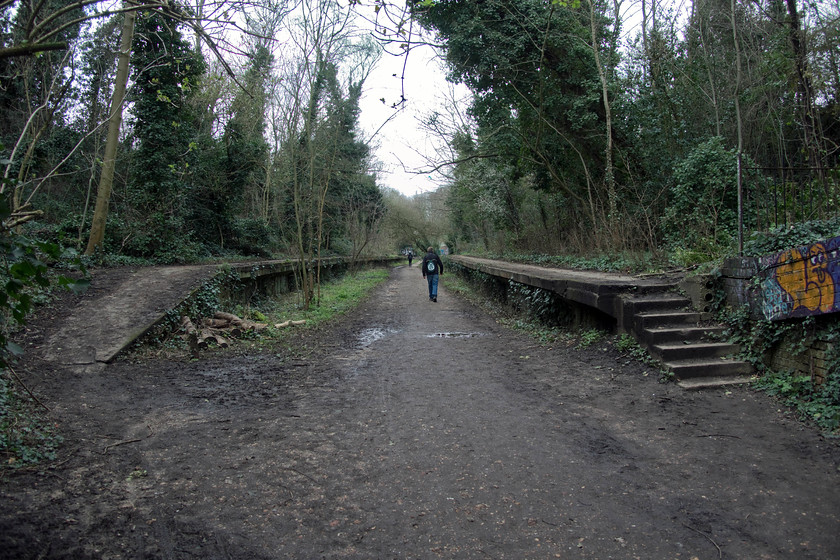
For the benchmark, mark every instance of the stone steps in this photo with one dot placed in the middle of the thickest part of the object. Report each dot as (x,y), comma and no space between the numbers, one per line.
(685,342)
(687,350)
(675,328)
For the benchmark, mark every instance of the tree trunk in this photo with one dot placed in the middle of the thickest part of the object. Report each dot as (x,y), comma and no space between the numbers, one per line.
(106,181)
(645,43)
(609,173)
(804,87)
(740,128)
(707,62)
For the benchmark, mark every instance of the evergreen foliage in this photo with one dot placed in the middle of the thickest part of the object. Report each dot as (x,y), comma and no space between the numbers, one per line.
(703,205)
(535,103)
(536,151)
(164,127)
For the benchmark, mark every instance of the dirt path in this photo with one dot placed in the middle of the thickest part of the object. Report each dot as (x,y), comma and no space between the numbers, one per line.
(418,430)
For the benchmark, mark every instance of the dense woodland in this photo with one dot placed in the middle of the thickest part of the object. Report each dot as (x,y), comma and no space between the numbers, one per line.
(179,130)
(237,133)
(588,138)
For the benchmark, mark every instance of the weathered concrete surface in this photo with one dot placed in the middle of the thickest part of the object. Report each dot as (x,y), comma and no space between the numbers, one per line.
(103,324)
(595,289)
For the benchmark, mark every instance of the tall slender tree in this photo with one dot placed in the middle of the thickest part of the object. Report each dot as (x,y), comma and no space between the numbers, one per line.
(106,181)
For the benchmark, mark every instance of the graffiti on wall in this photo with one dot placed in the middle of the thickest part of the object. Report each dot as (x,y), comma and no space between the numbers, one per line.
(801,282)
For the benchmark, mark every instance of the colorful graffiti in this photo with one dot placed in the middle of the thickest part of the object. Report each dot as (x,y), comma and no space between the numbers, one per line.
(802,281)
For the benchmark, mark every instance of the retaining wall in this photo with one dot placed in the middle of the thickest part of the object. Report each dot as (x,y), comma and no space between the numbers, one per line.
(808,357)
(797,283)
(800,282)
(272,278)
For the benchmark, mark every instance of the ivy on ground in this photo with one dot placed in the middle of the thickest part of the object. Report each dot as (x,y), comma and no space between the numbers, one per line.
(26,436)
(26,275)
(758,339)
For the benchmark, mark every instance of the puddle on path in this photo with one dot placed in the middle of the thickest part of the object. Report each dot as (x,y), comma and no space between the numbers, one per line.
(371,335)
(368,336)
(455,335)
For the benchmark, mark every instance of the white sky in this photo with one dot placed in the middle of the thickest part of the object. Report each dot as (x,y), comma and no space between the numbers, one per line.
(399,140)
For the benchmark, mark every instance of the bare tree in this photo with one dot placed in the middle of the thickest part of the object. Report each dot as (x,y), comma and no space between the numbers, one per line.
(214,23)
(324,40)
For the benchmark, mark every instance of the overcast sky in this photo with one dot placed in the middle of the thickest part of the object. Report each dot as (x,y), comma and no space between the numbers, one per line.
(401,138)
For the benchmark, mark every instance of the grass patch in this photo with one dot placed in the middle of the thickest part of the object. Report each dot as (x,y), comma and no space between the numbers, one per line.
(546,335)
(590,337)
(336,298)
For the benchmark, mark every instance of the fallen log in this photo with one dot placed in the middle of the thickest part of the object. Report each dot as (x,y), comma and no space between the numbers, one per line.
(221,320)
(285,324)
(199,338)
(207,334)
(214,323)
(187,325)
(218,329)
(230,317)
(191,334)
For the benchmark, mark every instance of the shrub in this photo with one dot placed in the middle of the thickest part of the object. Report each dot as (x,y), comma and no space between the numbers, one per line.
(703,202)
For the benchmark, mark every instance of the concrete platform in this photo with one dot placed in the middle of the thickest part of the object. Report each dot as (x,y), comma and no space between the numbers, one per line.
(650,307)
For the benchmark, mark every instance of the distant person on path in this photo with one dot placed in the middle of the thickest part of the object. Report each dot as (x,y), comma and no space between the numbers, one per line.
(432,268)
(410,256)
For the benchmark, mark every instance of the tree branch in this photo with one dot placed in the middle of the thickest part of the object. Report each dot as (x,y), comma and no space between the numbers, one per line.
(452,162)
(29,49)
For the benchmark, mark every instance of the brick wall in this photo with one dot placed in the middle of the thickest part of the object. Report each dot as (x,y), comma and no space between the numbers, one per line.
(811,362)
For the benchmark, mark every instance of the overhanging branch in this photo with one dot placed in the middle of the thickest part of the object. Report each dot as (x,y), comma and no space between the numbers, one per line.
(32,48)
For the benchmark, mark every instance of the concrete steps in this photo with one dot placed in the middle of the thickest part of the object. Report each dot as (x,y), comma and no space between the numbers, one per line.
(686,350)
(685,342)
(668,314)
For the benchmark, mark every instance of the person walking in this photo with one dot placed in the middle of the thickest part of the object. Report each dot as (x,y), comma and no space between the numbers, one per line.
(410,256)
(432,269)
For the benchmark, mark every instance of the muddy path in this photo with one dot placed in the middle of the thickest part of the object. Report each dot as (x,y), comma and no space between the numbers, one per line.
(417,430)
